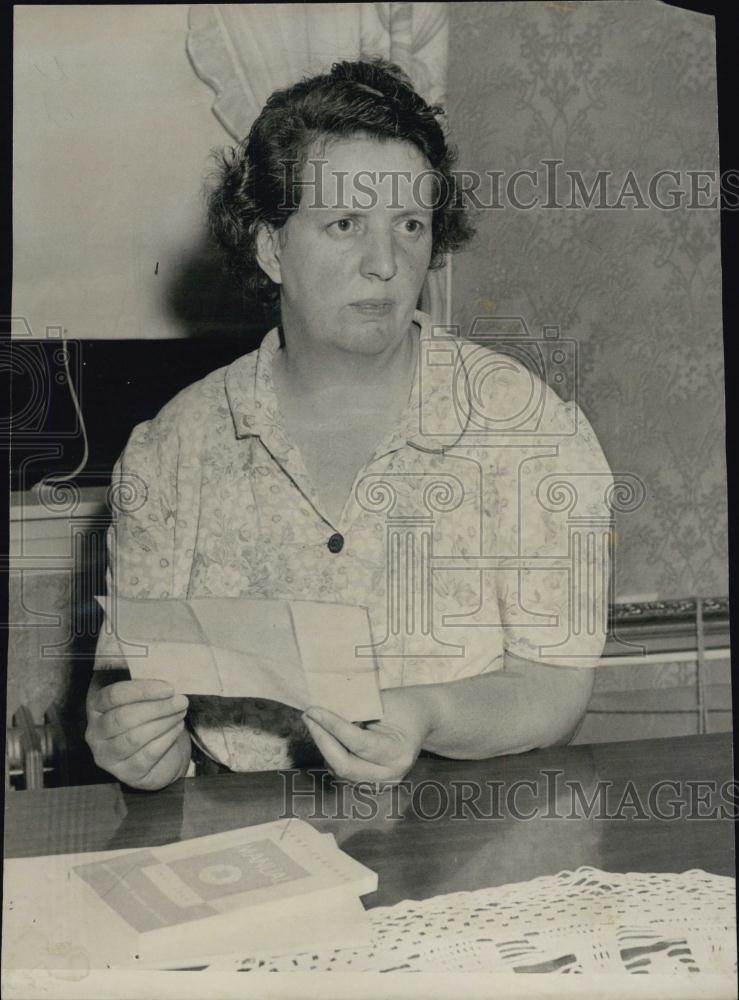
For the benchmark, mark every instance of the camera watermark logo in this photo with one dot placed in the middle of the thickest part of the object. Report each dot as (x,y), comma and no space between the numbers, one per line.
(497,380)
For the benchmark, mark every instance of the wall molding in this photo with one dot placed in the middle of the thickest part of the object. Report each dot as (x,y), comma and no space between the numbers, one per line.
(665,627)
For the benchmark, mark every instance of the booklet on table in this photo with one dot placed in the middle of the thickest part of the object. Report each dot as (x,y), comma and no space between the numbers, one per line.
(276,887)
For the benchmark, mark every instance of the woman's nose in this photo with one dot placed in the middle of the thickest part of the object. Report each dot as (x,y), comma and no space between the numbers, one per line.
(378,258)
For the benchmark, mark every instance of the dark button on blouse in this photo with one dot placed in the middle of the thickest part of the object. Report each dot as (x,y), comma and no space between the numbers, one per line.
(336,543)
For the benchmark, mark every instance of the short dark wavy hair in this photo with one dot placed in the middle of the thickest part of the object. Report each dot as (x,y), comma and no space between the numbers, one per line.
(368,97)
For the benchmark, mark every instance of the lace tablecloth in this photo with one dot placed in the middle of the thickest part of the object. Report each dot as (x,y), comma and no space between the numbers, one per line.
(585,921)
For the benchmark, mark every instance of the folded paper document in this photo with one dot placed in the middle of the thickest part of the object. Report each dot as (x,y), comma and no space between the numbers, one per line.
(278,886)
(299,653)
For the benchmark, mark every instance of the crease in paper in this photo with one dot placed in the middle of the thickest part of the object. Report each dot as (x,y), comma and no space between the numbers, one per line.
(298,653)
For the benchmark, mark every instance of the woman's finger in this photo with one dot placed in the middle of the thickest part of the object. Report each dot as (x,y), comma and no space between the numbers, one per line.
(167,765)
(120,720)
(340,761)
(360,742)
(335,755)
(147,757)
(127,692)
(373,745)
(128,743)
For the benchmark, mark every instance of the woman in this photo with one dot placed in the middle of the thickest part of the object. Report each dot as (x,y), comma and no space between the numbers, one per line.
(263,479)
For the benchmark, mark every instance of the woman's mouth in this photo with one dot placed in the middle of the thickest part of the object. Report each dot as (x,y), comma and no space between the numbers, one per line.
(373,307)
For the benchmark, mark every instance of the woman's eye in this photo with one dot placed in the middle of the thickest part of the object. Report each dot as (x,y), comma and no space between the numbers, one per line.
(342,225)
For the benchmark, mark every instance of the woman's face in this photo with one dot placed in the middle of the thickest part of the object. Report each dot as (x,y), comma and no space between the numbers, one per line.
(352,259)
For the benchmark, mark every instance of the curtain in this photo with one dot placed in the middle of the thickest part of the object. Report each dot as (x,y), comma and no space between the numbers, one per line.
(246,51)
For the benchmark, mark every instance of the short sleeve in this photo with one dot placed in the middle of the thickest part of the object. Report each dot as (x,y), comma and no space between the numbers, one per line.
(141,537)
(553,600)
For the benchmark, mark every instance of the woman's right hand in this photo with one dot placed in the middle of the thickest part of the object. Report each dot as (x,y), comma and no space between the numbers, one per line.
(136,731)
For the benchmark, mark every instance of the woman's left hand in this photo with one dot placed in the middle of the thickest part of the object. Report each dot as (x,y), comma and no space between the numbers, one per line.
(381,752)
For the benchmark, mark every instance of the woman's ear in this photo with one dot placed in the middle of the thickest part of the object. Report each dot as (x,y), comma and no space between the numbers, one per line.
(268,251)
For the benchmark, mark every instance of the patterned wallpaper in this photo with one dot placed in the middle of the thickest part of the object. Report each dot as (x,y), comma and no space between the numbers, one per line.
(613,86)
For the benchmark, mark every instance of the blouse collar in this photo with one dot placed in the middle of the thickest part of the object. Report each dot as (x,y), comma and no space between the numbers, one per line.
(252,399)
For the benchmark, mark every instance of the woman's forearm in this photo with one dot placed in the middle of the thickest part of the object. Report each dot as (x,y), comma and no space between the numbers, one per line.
(524,706)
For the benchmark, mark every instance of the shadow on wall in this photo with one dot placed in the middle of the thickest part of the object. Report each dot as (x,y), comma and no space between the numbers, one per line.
(217,322)
(207,302)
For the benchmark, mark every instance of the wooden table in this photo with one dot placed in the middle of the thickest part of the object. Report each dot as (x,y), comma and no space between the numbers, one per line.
(454,825)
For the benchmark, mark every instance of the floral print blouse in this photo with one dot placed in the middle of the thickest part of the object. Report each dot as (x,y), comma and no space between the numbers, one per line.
(481,524)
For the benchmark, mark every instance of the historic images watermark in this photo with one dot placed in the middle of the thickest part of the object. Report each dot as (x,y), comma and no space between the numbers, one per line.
(549,186)
(547,795)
